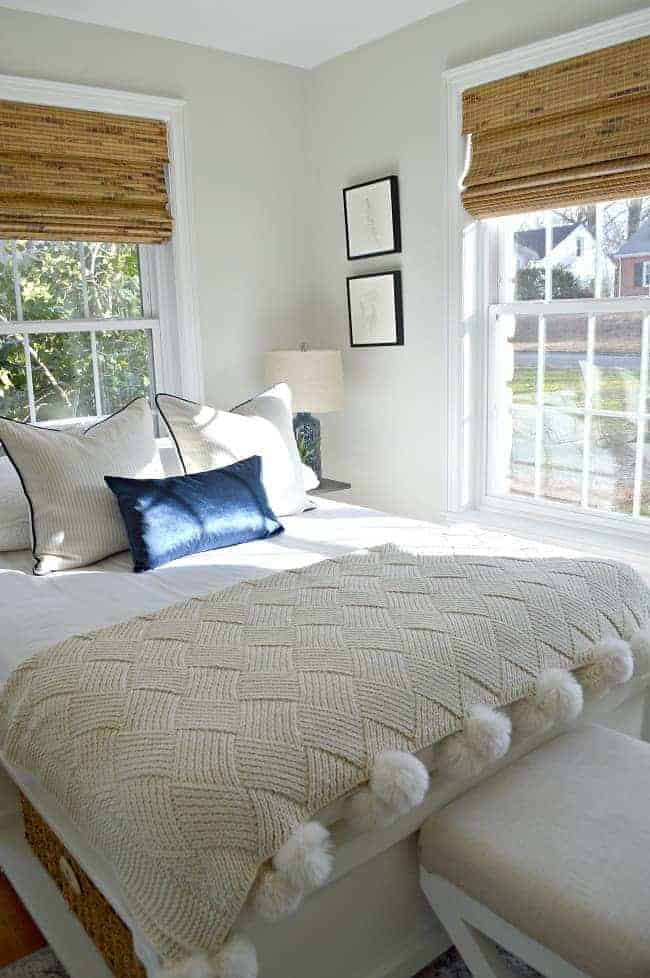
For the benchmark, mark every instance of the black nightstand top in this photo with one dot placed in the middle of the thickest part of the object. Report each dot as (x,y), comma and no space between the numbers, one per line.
(327,486)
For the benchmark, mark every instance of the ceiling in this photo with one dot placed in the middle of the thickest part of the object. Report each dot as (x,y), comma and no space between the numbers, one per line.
(297,32)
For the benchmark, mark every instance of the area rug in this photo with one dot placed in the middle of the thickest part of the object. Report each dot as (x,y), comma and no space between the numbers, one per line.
(43,964)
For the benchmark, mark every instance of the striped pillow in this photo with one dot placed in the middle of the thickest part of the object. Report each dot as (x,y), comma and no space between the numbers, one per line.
(75,519)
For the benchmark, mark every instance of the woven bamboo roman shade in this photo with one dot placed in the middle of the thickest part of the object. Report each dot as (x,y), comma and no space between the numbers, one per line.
(72,175)
(571,132)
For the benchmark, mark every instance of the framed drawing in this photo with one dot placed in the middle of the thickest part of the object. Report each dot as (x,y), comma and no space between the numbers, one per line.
(372,224)
(375,309)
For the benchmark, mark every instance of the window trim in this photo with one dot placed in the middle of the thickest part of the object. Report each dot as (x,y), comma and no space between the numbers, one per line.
(469,254)
(170,266)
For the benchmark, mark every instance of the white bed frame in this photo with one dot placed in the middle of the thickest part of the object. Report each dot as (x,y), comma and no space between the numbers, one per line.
(370,921)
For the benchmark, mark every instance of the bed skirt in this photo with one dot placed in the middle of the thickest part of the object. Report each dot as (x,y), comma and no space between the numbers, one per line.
(107,931)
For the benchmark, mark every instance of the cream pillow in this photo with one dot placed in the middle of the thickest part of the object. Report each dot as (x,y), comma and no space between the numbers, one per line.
(207,438)
(75,518)
(15,528)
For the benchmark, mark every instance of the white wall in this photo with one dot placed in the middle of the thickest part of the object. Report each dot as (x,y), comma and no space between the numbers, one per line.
(372,112)
(246,121)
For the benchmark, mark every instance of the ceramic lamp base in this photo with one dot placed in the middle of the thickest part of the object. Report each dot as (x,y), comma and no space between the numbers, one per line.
(307,431)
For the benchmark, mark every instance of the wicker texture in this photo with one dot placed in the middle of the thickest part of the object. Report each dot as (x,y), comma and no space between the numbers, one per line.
(68,174)
(567,133)
(188,744)
(110,935)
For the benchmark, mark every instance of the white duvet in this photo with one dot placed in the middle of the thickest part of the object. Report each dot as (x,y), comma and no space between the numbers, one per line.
(36,612)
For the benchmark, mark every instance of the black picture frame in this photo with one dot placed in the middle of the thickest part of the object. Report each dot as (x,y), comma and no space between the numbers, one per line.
(396,277)
(394,213)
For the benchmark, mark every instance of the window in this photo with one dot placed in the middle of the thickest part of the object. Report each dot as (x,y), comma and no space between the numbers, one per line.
(579,247)
(569,358)
(78,334)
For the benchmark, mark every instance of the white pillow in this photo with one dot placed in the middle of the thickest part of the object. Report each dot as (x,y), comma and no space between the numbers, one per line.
(15,529)
(75,517)
(207,438)
(14,510)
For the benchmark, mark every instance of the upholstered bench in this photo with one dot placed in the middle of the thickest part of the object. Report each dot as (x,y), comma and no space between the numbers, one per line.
(549,858)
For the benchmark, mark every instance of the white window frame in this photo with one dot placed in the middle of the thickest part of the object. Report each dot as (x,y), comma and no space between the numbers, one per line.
(470,264)
(646,274)
(168,271)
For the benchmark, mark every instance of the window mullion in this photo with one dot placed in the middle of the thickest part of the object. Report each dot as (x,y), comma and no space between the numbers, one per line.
(30,379)
(96,378)
(548,246)
(586,428)
(598,283)
(641,423)
(539,411)
(93,336)
(26,350)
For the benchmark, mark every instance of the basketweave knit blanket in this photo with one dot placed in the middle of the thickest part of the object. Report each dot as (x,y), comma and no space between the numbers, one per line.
(188,744)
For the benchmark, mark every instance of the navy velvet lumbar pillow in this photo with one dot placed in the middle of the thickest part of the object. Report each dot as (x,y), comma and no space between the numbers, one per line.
(184,514)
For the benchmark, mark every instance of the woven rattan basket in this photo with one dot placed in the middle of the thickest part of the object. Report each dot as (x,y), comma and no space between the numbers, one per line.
(110,935)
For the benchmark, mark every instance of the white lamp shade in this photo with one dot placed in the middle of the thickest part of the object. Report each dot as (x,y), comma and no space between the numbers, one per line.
(314,376)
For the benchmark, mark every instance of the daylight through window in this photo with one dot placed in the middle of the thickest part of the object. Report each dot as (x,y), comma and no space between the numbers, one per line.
(569,355)
(76,336)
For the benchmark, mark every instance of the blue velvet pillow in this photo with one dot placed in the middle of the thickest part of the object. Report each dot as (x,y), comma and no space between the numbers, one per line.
(185,514)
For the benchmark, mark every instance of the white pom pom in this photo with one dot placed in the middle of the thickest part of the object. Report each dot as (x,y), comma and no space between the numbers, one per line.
(488,731)
(366,812)
(400,780)
(557,699)
(198,965)
(484,739)
(236,959)
(306,857)
(274,896)
(640,646)
(613,665)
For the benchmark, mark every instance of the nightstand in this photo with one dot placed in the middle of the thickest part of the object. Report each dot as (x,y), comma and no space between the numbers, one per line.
(328,486)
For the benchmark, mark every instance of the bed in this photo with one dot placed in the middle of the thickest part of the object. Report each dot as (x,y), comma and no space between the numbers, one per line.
(369,920)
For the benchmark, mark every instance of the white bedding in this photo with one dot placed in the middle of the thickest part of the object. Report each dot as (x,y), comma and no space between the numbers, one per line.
(36,612)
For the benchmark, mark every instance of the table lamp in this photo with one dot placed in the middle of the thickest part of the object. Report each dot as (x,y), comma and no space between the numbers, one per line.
(316,381)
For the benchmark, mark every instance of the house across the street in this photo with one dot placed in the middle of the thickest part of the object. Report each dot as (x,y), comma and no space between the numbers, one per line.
(573,249)
(634,263)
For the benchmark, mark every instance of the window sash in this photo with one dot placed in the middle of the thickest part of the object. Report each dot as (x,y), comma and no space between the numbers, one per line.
(495,445)
(151,324)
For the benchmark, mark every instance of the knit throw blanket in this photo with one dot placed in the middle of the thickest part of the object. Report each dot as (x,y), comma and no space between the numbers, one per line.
(187,745)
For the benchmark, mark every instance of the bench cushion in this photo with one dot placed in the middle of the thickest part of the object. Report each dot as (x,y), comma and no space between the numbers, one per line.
(558,844)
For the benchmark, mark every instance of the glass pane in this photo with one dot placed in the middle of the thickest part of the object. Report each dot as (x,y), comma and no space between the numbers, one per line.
(112,276)
(617,363)
(50,280)
(525,346)
(7,290)
(563,449)
(62,375)
(625,241)
(613,455)
(125,366)
(522,459)
(645,482)
(526,248)
(573,252)
(14,402)
(565,360)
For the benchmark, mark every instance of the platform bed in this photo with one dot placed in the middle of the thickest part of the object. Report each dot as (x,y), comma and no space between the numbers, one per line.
(369,921)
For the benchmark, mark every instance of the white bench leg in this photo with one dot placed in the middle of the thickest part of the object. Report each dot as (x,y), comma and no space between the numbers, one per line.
(477,951)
